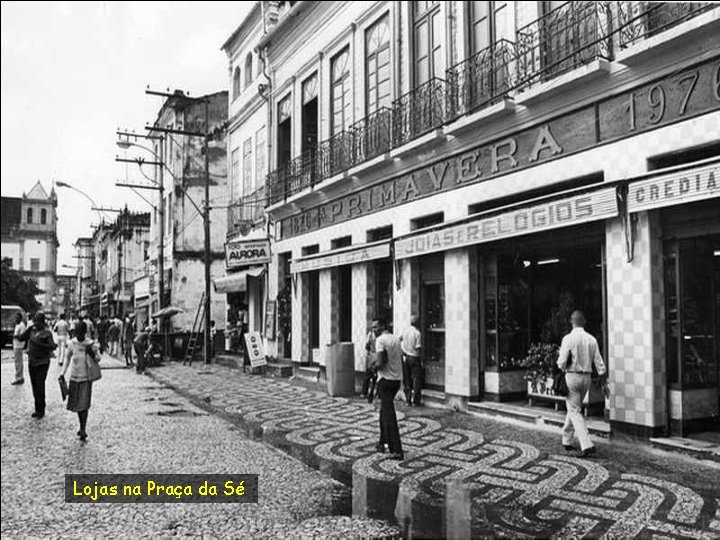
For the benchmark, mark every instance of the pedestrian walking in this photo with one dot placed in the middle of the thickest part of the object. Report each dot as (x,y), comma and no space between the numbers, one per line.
(412,374)
(579,351)
(389,368)
(62,334)
(40,346)
(140,344)
(128,339)
(19,345)
(102,331)
(113,334)
(80,351)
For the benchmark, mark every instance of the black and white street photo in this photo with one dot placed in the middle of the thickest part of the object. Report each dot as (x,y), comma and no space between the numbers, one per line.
(390,269)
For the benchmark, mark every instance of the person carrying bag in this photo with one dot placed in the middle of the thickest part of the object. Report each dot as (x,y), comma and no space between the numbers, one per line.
(82,361)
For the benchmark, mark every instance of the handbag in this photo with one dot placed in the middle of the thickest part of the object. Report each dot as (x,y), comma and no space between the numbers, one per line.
(94,371)
(63,387)
(559,386)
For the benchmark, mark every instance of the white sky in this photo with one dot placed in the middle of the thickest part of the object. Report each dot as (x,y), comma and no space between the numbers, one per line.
(73,72)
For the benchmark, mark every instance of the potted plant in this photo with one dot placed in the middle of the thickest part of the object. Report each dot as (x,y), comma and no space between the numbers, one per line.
(540,365)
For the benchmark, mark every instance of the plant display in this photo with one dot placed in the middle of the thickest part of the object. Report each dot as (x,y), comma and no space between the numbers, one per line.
(540,363)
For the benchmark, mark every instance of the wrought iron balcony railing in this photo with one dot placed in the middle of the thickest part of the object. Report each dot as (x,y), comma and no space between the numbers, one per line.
(372,136)
(564,39)
(481,79)
(641,20)
(246,211)
(418,112)
(335,155)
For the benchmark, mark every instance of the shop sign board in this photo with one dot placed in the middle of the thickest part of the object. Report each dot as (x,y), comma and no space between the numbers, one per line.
(247,253)
(553,214)
(680,96)
(255,350)
(368,252)
(142,288)
(677,187)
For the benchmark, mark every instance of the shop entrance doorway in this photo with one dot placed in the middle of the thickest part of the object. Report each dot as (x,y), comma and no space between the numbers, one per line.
(528,290)
(692,334)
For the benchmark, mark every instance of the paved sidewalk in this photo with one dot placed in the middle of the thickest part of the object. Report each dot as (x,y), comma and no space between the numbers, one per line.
(139,426)
(465,476)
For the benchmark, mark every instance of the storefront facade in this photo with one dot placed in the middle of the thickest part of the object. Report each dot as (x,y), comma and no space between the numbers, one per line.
(503,221)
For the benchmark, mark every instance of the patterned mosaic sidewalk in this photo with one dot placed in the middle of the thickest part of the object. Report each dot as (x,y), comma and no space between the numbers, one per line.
(453,482)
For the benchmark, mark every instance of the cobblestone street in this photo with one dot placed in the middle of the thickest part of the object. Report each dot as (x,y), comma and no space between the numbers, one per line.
(463,475)
(137,425)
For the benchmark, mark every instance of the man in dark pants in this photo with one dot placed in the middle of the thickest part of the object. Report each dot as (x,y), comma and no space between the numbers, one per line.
(412,375)
(40,346)
(389,369)
(141,344)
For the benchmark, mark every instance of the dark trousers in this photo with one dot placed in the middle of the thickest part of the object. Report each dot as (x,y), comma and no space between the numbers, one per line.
(413,388)
(140,353)
(368,387)
(38,374)
(389,433)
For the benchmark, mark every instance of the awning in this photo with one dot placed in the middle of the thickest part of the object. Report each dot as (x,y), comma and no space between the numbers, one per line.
(340,257)
(525,219)
(237,281)
(680,185)
(167,312)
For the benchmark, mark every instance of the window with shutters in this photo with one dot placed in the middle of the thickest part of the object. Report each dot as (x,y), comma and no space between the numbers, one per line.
(427,45)
(247,166)
(340,91)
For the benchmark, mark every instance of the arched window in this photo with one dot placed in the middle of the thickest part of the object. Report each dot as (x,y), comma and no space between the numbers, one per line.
(248,69)
(236,83)
(43,216)
(29,215)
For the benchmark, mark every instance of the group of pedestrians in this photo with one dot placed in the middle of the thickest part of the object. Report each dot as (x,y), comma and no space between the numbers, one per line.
(392,360)
(76,343)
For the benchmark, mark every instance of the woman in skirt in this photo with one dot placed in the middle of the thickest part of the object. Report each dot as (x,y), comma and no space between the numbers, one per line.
(80,387)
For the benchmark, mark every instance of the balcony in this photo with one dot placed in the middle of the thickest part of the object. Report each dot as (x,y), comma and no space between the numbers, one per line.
(247,211)
(568,37)
(572,44)
(651,28)
(481,80)
(418,112)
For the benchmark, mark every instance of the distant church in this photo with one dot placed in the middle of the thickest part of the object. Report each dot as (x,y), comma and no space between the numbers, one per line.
(29,240)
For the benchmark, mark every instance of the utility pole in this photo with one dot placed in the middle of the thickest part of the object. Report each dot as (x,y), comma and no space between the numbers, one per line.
(206,207)
(159,186)
(206,218)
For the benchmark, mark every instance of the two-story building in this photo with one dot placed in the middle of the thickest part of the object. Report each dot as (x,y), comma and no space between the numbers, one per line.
(491,166)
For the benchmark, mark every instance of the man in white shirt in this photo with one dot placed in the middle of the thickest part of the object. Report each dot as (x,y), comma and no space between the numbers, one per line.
(389,369)
(61,330)
(412,374)
(19,349)
(578,352)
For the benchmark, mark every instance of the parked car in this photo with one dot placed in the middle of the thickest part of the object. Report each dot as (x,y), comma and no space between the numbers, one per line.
(8,323)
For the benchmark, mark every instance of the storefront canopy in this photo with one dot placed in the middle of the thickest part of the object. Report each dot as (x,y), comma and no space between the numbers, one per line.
(237,281)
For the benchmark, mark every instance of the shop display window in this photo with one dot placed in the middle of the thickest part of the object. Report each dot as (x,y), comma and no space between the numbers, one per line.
(384,291)
(692,307)
(528,296)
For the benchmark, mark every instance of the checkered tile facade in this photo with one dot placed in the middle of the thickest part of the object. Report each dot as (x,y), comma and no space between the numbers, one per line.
(461,333)
(301,305)
(363,287)
(636,322)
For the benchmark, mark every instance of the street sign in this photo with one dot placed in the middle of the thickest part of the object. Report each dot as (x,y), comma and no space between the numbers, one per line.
(256,353)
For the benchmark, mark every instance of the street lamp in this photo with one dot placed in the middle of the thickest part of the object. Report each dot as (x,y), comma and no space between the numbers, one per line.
(125,144)
(62,184)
